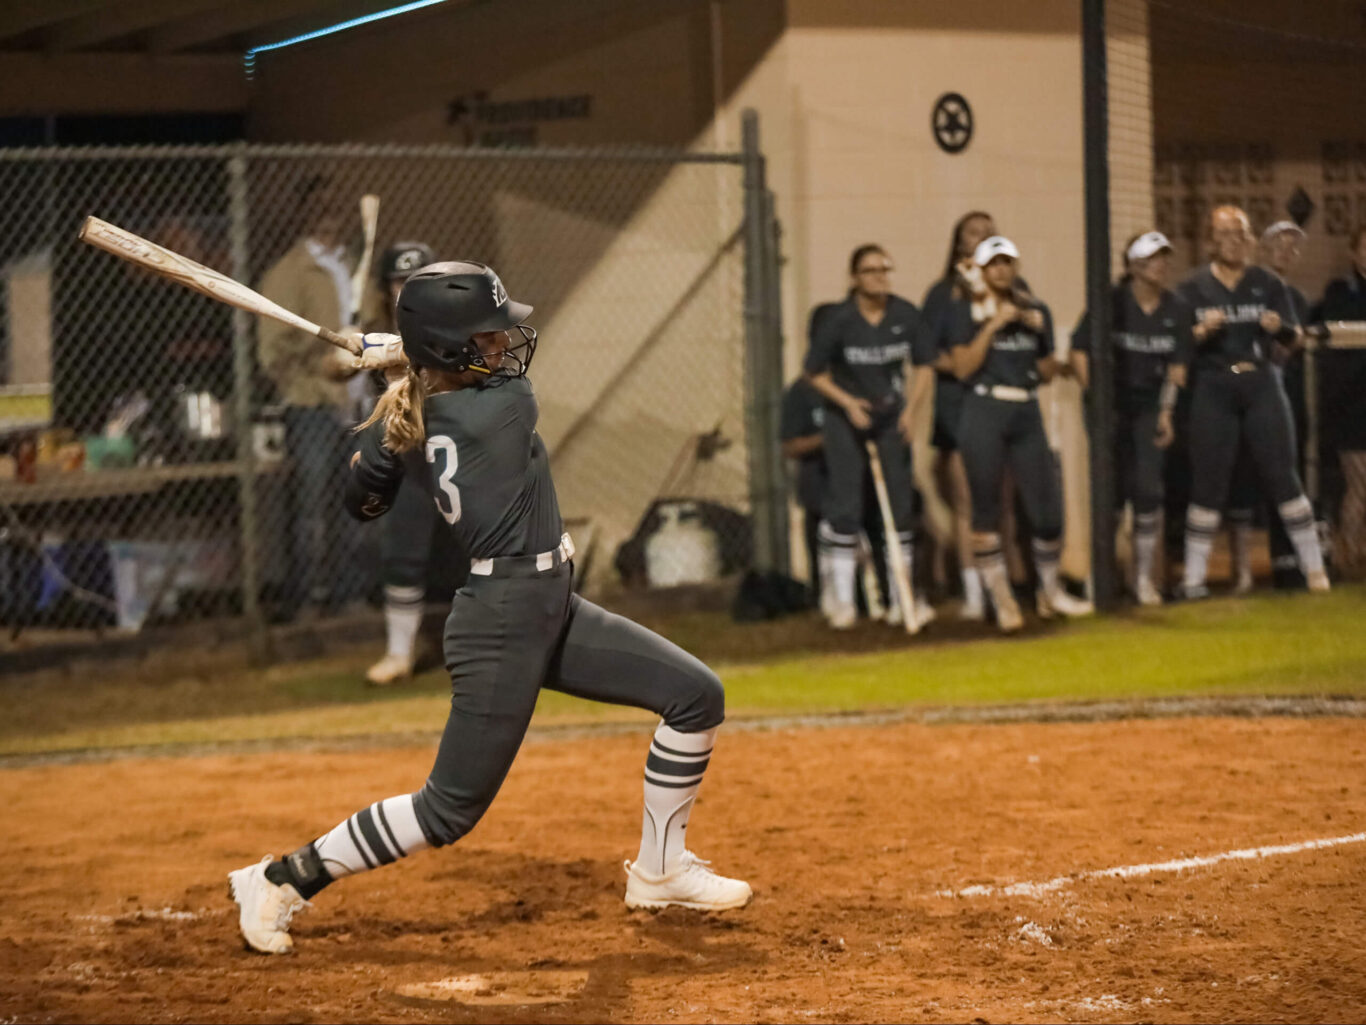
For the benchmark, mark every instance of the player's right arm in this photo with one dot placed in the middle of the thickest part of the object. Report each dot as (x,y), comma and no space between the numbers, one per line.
(970,349)
(375,474)
(824,343)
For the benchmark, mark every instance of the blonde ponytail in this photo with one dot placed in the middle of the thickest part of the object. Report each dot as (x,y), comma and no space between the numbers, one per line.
(400,408)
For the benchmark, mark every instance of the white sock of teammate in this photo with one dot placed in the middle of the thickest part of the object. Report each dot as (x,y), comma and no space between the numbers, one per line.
(908,557)
(673,772)
(374,836)
(991,565)
(839,557)
(403,618)
(1201,526)
(1298,517)
(1145,545)
(972,589)
(1046,557)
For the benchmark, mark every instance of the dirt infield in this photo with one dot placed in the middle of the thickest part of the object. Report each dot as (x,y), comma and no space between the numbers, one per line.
(115,909)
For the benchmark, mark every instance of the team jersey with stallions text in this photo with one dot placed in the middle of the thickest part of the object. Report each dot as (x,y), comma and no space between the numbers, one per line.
(1014,353)
(1241,339)
(867,360)
(487,471)
(1145,344)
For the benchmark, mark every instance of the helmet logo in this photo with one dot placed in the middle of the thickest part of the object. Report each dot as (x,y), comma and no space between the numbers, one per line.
(500,294)
(409,259)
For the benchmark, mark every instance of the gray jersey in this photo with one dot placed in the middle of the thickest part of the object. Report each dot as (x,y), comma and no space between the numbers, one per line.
(487,471)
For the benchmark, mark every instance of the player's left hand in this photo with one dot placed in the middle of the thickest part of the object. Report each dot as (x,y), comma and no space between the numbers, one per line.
(1271,322)
(380,352)
(1032,319)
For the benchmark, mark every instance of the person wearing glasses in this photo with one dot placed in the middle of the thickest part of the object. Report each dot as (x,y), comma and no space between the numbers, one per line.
(1240,311)
(857,362)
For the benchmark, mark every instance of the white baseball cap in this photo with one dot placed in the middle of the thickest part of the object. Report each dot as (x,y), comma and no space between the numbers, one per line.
(1147,245)
(997,245)
(1280,228)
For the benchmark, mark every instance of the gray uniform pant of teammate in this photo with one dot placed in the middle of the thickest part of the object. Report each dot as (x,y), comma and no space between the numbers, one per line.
(510,635)
(994,433)
(846,459)
(1227,408)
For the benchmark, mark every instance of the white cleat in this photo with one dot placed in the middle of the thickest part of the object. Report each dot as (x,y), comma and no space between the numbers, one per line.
(842,617)
(692,884)
(389,670)
(1243,585)
(924,614)
(265,908)
(1009,619)
(1147,593)
(1318,582)
(1062,604)
(973,611)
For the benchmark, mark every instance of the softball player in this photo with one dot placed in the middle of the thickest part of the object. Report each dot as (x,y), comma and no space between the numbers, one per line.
(407,531)
(1151,338)
(1239,310)
(1343,373)
(937,382)
(1001,360)
(465,406)
(857,361)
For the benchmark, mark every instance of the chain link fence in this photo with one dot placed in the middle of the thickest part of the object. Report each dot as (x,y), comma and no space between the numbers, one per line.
(156,466)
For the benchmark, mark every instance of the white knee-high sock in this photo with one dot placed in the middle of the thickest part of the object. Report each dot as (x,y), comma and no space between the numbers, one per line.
(839,559)
(374,836)
(972,587)
(906,539)
(991,564)
(1201,526)
(1145,545)
(1298,517)
(1046,557)
(403,618)
(673,772)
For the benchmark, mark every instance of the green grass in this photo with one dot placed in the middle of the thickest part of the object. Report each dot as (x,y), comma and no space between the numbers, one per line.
(1274,644)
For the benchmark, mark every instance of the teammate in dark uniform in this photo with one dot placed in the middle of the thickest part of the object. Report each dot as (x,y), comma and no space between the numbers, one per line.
(1002,360)
(465,406)
(857,362)
(1343,373)
(407,532)
(1152,340)
(1281,249)
(937,382)
(1239,311)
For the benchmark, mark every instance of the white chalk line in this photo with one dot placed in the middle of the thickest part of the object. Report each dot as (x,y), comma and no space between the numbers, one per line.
(1134,871)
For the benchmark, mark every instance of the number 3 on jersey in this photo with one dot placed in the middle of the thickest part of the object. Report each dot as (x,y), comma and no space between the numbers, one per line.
(442,445)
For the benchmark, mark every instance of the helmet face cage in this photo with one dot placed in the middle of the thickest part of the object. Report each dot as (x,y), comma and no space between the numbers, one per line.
(516,358)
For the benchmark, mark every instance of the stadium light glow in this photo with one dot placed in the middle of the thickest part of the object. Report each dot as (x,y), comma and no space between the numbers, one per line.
(249,58)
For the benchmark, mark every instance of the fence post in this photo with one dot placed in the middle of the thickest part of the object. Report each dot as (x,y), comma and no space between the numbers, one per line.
(772,384)
(1096,119)
(765,489)
(242,363)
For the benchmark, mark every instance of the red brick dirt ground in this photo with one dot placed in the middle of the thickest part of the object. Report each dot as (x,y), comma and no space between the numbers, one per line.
(115,909)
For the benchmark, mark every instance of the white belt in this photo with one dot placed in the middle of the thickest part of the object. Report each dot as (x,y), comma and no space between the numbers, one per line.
(1005,392)
(544,560)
